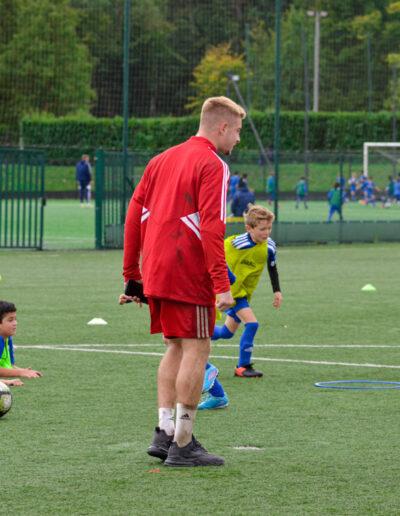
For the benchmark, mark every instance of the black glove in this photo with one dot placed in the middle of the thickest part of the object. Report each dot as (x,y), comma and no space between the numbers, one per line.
(135,289)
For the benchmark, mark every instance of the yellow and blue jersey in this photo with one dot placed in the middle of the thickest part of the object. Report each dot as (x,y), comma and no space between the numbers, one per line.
(6,353)
(247,260)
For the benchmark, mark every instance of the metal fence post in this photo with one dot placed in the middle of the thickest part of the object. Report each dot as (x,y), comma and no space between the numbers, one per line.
(277,129)
(100,165)
(42,201)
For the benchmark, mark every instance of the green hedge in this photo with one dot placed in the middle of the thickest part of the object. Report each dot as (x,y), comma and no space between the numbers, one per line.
(328,131)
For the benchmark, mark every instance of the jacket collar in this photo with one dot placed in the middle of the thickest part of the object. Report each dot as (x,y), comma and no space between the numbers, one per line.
(203,140)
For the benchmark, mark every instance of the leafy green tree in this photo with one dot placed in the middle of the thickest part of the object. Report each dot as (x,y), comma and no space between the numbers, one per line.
(292,59)
(392,32)
(100,27)
(43,65)
(211,74)
(352,33)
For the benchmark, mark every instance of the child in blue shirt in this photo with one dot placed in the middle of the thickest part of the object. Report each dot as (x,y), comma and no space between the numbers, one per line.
(352,182)
(301,192)
(369,191)
(8,328)
(396,190)
(335,201)
(271,188)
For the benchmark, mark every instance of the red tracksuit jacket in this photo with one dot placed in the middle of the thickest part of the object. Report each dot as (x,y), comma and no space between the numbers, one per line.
(176,224)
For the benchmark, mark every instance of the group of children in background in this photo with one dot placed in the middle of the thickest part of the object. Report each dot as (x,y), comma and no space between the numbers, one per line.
(360,188)
(363,189)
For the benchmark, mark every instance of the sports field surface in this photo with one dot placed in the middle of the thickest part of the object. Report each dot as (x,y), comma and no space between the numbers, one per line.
(75,440)
(68,226)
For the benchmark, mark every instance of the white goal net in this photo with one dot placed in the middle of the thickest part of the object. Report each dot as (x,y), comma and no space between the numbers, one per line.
(384,156)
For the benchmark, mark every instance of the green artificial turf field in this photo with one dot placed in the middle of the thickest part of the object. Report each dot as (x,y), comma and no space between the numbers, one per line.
(68,226)
(74,441)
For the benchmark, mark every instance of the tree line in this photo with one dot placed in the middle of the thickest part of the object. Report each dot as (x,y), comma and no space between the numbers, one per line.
(65,56)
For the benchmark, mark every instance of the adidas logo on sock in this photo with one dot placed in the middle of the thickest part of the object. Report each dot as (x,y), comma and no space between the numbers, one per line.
(185,416)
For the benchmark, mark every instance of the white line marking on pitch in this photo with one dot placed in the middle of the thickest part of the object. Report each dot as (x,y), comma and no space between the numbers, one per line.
(224,357)
(236,346)
(247,448)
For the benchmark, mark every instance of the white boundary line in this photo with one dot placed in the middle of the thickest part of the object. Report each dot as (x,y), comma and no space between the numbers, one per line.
(236,346)
(259,359)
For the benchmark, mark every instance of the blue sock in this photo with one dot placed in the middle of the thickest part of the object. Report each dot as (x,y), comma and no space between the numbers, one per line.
(246,343)
(217,389)
(221,332)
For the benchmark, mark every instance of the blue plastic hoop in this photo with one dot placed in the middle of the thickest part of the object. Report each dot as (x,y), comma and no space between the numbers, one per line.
(361,385)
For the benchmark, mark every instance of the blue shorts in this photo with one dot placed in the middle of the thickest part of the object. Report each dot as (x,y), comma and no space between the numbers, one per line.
(241,302)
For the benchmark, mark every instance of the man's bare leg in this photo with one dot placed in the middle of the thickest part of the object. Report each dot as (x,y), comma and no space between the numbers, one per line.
(186,451)
(189,383)
(166,380)
(168,372)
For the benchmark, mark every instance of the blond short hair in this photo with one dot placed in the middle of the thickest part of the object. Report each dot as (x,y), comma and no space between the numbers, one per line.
(256,214)
(216,108)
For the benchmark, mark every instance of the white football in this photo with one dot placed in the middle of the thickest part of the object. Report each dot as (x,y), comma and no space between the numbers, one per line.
(5,399)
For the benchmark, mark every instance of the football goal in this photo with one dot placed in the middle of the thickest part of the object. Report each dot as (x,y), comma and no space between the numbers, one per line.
(381,154)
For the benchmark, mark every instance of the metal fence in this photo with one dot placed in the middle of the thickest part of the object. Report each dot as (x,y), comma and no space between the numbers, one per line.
(113,190)
(21,198)
(304,220)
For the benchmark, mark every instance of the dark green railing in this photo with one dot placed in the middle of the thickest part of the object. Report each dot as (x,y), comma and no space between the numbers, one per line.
(21,198)
(114,187)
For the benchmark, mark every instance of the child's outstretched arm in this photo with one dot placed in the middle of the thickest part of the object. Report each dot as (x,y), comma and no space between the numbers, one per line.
(23,372)
(26,372)
(15,382)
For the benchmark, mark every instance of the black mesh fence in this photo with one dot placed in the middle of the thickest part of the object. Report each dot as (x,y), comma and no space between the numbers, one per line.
(61,62)
(61,57)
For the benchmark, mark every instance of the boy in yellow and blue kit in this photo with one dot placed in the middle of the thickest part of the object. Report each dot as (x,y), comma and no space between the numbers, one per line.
(246,256)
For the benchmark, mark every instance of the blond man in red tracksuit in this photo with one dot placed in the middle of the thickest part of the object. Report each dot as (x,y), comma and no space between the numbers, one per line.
(174,243)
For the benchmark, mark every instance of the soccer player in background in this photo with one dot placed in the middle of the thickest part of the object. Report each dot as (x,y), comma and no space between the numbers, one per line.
(301,192)
(389,190)
(8,328)
(271,188)
(233,184)
(369,191)
(174,243)
(246,256)
(335,201)
(241,199)
(352,182)
(396,190)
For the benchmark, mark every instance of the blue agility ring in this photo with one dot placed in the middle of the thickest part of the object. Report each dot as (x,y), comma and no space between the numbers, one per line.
(360,385)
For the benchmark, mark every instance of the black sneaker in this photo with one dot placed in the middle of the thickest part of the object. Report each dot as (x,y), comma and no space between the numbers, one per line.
(247,372)
(193,454)
(160,445)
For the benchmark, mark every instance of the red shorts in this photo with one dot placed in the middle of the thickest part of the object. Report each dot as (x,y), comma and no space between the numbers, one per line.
(181,320)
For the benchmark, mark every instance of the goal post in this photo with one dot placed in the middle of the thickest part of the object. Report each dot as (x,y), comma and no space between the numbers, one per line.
(377,145)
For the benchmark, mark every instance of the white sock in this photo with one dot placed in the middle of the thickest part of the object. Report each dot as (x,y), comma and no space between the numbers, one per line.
(184,425)
(166,420)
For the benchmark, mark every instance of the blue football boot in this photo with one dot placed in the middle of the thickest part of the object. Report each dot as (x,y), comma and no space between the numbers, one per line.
(210,402)
(209,378)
